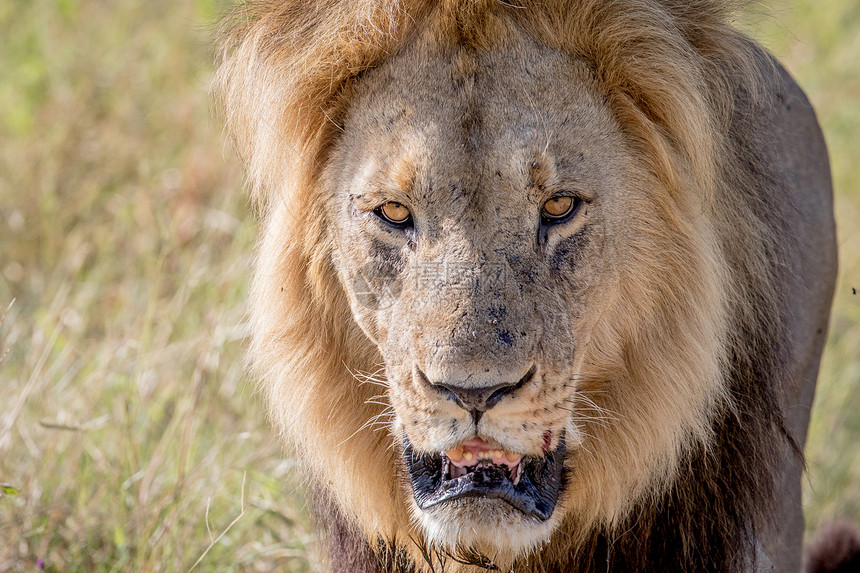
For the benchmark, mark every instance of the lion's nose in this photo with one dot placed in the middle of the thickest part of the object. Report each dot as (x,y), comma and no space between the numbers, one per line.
(478,400)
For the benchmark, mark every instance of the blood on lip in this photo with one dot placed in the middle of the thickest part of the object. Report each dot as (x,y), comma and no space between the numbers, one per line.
(547,440)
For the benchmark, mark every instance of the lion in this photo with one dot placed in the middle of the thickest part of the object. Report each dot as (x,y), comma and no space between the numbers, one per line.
(541,286)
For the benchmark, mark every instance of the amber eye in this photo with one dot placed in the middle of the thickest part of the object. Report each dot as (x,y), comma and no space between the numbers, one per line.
(559,208)
(394,213)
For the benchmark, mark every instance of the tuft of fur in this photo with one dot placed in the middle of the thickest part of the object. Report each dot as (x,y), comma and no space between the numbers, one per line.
(286,74)
(836,549)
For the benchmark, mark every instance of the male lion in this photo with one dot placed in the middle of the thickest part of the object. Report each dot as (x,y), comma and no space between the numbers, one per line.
(542,286)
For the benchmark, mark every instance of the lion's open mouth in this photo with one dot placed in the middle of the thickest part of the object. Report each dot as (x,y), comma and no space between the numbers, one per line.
(476,469)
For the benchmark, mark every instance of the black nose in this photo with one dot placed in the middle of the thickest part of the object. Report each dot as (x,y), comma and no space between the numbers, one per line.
(478,400)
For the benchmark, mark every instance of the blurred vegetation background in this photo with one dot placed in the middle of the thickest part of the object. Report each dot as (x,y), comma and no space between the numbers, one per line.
(126,423)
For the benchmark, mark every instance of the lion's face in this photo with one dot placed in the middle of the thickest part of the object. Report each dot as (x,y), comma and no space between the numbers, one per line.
(481,202)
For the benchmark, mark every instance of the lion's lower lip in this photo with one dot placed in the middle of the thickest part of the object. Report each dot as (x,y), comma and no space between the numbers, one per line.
(535,494)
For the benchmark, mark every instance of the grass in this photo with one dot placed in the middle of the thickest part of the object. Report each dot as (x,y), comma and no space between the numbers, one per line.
(125,418)
(126,423)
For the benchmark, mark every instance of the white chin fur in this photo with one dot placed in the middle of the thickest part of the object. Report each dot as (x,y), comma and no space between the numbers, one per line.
(489,527)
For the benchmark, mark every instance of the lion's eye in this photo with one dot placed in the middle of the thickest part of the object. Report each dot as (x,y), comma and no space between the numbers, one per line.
(394,213)
(559,208)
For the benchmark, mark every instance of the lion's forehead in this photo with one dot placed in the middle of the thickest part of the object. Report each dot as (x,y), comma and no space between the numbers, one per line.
(426,122)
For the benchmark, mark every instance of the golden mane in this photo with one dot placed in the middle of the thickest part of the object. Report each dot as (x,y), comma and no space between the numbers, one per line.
(284,67)
(284,81)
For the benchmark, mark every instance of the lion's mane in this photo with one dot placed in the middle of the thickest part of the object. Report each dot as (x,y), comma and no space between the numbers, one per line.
(698,349)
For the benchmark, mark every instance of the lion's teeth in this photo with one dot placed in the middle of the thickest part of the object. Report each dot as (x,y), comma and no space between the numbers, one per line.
(470,454)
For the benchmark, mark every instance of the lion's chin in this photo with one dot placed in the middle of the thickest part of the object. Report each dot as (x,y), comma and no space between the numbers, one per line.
(495,502)
(485,527)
